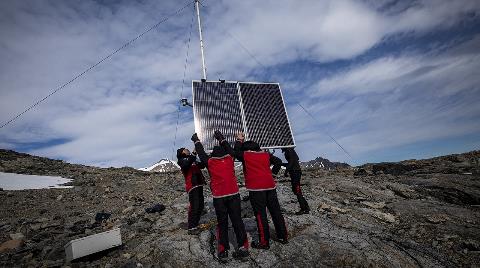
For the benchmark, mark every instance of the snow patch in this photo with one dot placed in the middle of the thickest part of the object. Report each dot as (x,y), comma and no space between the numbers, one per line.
(163,165)
(14,181)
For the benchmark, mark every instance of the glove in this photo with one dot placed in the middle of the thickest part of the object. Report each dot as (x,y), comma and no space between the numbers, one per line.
(218,135)
(195,137)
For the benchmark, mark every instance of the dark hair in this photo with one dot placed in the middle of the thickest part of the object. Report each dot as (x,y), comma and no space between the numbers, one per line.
(250,146)
(218,151)
(180,153)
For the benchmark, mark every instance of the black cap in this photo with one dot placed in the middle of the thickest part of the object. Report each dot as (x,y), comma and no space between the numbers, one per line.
(218,151)
(180,152)
(250,146)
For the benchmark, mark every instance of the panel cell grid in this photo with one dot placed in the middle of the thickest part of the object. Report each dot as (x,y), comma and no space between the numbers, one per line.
(216,107)
(257,109)
(266,118)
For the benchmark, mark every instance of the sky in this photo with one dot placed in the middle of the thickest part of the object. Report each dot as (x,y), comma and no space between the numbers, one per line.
(389,80)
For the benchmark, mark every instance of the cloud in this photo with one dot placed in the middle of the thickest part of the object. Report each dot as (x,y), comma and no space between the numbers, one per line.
(424,15)
(449,74)
(322,31)
(394,101)
(124,111)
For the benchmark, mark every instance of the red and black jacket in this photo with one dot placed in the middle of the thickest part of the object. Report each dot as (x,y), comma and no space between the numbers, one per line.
(256,168)
(257,172)
(223,181)
(192,173)
(222,176)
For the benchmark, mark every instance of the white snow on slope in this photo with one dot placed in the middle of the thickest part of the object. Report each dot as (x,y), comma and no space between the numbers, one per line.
(162,166)
(13,181)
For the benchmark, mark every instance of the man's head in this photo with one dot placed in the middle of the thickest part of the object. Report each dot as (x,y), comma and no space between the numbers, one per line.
(218,151)
(250,146)
(182,152)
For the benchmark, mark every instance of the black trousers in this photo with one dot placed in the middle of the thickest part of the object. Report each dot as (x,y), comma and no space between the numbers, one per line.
(261,201)
(295,176)
(195,197)
(226,207)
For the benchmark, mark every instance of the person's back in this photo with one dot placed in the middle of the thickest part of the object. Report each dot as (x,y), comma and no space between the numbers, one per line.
(294,170)
(226,197)
(293,161)
(261,189)
(223,181)
(194,182)
(190,169)
(257,172)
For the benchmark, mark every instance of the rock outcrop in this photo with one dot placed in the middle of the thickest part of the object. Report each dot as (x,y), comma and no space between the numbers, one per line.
(423,213)
(323,163)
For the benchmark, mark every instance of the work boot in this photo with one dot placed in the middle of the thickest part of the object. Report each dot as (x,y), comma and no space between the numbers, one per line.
(241,254)
(302,211)
(257,245)
(194,231)
(223,256)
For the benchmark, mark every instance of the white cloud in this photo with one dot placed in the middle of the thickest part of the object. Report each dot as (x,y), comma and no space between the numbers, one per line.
(391,102)
(124,111)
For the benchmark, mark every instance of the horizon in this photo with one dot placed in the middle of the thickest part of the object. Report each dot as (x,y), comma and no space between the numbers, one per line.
(390,80)
(301,161)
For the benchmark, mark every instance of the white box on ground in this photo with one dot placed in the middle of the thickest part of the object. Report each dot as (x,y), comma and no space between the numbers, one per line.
(92,244)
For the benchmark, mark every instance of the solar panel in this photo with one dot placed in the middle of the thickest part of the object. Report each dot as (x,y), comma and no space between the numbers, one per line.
(257,109)
(216,106)
(266,119)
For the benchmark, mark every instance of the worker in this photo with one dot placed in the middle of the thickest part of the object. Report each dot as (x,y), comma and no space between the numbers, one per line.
(293,169)
(260,183)
(194,182)
(226,197)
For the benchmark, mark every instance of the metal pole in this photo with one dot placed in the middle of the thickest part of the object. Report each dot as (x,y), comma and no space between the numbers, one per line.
(204,68)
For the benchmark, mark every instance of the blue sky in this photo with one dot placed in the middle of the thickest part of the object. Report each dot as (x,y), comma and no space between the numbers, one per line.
(390,80)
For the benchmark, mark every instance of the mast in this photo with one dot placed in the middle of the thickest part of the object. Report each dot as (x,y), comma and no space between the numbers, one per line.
(204,68)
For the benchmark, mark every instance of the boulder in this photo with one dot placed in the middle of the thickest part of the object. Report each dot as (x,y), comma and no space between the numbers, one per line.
(391,168)
(360,172)
(17,236)
(375,205)
(11,245)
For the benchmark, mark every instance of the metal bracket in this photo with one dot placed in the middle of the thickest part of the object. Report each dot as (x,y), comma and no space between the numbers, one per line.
(185,102)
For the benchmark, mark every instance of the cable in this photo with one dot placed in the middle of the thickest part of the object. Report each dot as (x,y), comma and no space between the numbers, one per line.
(183,84)
(331,137)
(247,51)
(96,64)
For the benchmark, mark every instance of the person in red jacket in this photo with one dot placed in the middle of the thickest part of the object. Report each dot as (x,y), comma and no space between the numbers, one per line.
(261,189)
(194,182)
(226,198)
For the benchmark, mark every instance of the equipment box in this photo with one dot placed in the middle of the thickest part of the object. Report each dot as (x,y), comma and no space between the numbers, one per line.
(92,244)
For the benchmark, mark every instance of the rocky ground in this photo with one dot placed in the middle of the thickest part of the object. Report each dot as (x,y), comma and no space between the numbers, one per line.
(416,213)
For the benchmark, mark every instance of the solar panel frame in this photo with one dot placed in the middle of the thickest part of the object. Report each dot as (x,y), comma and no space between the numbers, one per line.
(214,111)
(203,126)
(252,131)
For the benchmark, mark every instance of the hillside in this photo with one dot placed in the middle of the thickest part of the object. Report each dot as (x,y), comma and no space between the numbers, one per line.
(323,163)
(415,213)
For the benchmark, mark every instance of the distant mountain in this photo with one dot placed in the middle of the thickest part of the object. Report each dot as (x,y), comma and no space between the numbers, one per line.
(323,163)
(164,165)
